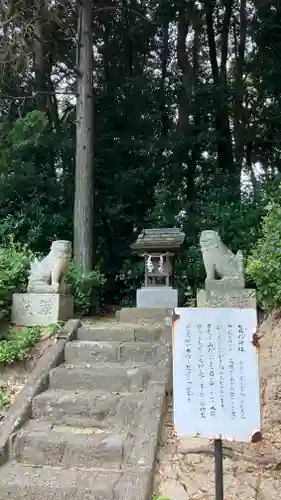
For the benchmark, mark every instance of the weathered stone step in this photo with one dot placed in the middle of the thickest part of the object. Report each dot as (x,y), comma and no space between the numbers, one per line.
(19,482)
(105,377)
(68,447)
(119,332)
(98,351)
(140,315)
(95,409)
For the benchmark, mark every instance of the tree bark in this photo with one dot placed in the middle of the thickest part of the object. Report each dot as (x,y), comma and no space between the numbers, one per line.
(226,173)
(84,168)
(239,119)
(164,73)
(40,57)
(188,62)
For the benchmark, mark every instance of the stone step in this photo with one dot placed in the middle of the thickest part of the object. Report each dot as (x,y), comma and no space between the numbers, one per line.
(140,315)
(19,482)
(119,332)
(91,409)
(109,352)
(105,377)
(68,446)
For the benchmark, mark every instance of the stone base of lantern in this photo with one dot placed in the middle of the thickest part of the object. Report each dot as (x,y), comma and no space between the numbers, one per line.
(157,297)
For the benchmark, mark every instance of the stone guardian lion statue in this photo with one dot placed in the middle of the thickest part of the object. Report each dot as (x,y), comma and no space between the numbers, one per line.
(223,268)
(47,275)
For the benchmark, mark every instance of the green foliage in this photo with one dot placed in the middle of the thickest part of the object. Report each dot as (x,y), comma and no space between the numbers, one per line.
(19,345)
(28,132)
(264,263)
(86,289)
(33,206)
(4,397)
(54,329)
(14,266)
(128,279)
(238,224)
(156,497)
(158,160)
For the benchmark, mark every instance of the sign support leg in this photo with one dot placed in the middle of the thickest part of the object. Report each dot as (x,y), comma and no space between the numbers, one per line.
(218,469)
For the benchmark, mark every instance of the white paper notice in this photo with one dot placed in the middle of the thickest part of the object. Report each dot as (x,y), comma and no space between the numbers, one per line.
(215,373)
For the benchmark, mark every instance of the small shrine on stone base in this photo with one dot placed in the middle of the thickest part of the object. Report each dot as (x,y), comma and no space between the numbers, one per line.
(158,248)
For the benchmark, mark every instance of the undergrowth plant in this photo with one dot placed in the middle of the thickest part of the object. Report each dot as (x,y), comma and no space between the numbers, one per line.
(156,497)
(264,263)
(86,288)
(18,345)
(4,397)
(54,329)
(14,267)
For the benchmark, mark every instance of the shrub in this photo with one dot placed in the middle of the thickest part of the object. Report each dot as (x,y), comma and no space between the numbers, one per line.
(14,267)
(264,262)
(4,397)
(129,279)
(86,289)
(155,497)
(19,345)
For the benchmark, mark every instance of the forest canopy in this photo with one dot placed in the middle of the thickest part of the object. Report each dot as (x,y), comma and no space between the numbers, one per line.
(187,128)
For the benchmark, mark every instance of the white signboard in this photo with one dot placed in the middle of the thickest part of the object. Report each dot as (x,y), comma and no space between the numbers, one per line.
(215,373)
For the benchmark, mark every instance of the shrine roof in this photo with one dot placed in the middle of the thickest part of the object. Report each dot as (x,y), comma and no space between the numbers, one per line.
(159,239)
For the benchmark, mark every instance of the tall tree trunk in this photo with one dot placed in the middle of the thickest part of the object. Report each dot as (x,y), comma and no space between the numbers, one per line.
(188,63)
(226,174)
(40,57)
(164,73)
(84,171)
(196,148)
(239,119)
(128,42)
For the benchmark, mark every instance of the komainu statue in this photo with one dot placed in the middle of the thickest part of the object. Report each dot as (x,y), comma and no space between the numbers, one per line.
(47,275)
(223,268)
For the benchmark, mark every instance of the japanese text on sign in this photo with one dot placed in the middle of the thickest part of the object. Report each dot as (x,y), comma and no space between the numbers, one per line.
(216,382)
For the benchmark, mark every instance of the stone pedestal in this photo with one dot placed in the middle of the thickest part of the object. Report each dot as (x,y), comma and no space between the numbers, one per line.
(30,309)
(240,299)
(162,297)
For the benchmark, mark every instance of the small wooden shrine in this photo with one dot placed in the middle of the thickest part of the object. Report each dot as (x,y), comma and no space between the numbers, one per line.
(158,247)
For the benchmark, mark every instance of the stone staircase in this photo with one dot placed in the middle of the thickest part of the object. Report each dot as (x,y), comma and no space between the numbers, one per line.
(93,433)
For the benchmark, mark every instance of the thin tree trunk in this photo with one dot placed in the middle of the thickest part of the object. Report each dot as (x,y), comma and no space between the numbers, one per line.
(188,63)
(39,57)
(164,72)
(84,172)
(226,173)
(239,119)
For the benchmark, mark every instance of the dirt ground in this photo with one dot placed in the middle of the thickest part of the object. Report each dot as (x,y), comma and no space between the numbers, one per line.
(185,468)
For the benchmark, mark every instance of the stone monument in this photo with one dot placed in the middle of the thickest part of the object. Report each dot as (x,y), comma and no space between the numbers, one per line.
(225,282)
(48,298)
(158,247)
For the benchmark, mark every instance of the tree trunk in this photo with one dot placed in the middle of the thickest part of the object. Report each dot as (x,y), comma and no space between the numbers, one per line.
(164,73)
(40,57)
(84,171)
(226,174)
(240,131)
(188,63)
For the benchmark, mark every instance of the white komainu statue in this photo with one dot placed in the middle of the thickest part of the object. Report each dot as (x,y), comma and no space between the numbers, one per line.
(47,275)
(223,268)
